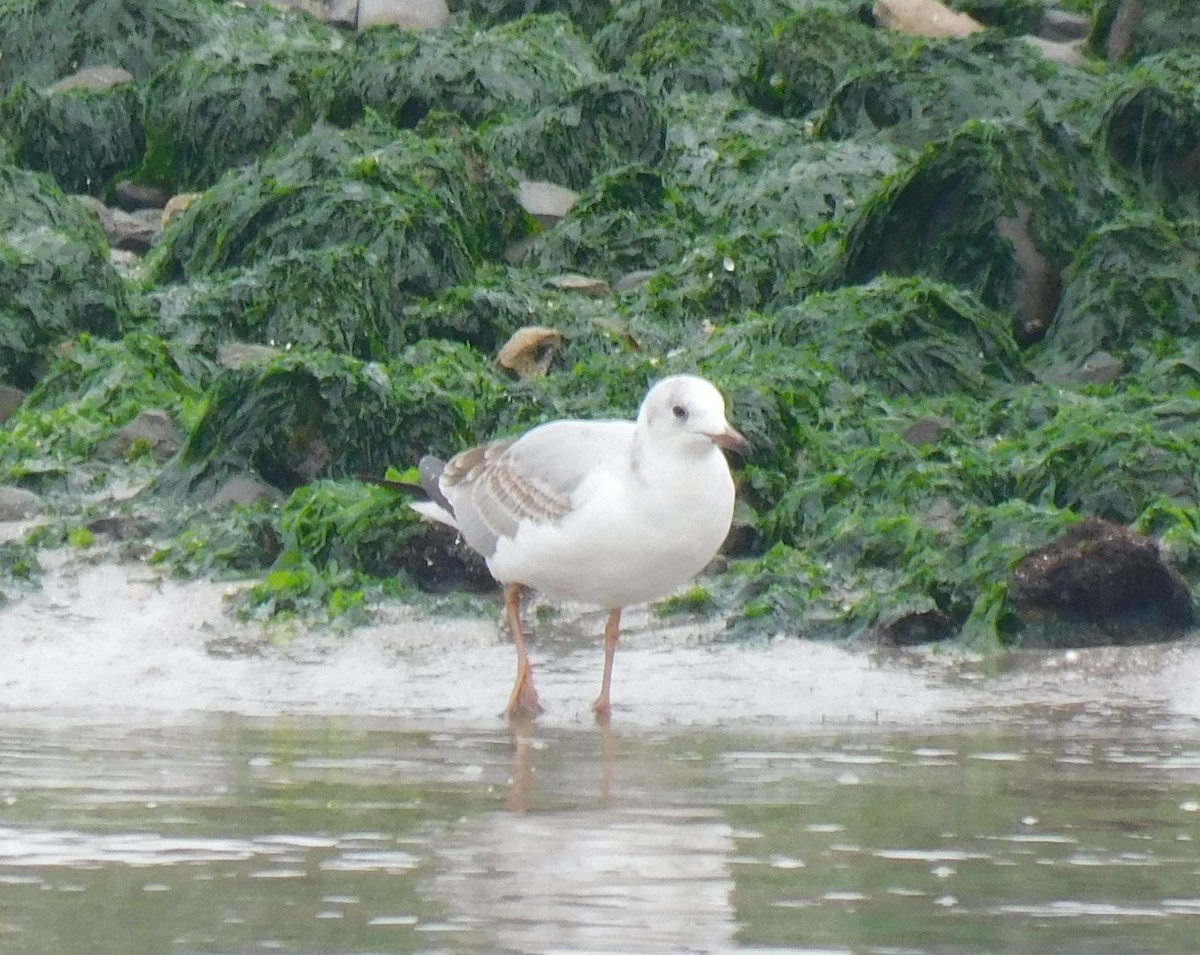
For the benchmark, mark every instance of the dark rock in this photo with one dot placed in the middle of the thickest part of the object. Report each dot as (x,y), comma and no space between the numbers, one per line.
(1101,573)
(441,562)
(10,401)
(914,629)
(132,196)
(18,504)
(925,432)
(1063,26)
(153,428)
(123,527)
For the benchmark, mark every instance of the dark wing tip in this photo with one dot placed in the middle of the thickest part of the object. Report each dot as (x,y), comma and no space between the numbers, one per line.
(430,468)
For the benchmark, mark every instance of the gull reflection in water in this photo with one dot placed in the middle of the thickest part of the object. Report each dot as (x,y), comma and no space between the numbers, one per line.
(601,878)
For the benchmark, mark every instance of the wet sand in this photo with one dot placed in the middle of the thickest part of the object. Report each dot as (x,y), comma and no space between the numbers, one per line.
(117,639)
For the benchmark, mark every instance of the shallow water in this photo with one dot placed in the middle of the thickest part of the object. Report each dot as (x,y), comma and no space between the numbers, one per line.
(162,793)
(322,834)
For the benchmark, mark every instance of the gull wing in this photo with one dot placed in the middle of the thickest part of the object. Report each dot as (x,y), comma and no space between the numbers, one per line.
(495,488)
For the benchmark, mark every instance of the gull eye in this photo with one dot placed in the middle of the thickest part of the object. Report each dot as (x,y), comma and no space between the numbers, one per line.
(680,412)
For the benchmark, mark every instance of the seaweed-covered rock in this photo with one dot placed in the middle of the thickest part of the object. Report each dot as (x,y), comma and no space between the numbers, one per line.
(1151,128)
(587,15)
(927,91)
(1102,573)
(512,69)
(1131,29)
(55,277)
(810,55)
(693,55)
(309,414)
(90,392)
(622,222)
(1133,289)
(427,207)
(594,129)
(42,41)
(629,22)
(258,78)
(82,137)
(998,208)
(739,167)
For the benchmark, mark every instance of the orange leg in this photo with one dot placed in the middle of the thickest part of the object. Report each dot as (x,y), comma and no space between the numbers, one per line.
(612,632)
(523,701)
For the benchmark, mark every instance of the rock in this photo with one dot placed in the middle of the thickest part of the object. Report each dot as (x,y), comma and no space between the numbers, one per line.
(153,428)
(18,504)
(337,12)
(1037,287)
(235,355)
(134,231)
(914,629)
(924,18)
(1121,29)
(1066,53)
(530,351)
(585,284)
(176,204)
(1063,26)
(135,195)
(1101,573)
(10,401)
(410,14)
(631,280)
(1099,368)
(925,432)
(123,527)
(244,490)
(131,231)
(92,78)
(545,201)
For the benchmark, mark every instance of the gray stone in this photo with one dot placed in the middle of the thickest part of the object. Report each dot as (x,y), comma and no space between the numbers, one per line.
(10,401)
(583,284)
(244,490)
(130,231)
(410,14)
(546,201)
(92,78)
(18,504)
(235,355)
(1067,53)
(631,280)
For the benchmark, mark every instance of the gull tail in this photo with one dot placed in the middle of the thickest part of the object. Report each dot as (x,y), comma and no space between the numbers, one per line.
(430,502)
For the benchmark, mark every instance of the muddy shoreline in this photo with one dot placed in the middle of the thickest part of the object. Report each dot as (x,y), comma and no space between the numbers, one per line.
(117,642)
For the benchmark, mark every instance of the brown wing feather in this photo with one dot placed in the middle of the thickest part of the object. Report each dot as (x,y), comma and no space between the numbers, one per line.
(492,497)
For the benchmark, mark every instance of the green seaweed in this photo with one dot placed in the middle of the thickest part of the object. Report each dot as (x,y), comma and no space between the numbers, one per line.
(55,278)
(258,79)
(83,138)
(42,41)
(512,69)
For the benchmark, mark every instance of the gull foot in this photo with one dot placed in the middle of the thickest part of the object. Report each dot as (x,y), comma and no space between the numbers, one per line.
(523,704)
(603,710)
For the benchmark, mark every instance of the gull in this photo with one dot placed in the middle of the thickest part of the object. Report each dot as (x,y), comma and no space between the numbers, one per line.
(606,513)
